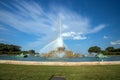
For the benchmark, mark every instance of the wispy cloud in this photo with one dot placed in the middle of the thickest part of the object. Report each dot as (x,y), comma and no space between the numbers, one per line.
(115,42)
(28,18)
(3,40)
(32,18)
(97,29)
(74,35)
(105,37)
(2,28)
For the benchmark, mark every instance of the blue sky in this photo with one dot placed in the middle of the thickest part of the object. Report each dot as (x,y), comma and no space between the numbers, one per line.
(32,24)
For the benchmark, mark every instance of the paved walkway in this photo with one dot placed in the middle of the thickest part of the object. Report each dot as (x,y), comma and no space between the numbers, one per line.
(58,63)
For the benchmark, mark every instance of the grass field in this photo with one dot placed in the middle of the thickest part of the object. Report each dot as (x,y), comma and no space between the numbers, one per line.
(37,72)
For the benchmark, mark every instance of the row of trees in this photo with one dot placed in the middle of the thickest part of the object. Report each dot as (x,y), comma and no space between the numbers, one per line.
(107,51)
(9,49)
(13,49)
(32,52)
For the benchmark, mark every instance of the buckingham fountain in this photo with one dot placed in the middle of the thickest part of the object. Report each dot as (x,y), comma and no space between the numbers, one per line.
(57,48)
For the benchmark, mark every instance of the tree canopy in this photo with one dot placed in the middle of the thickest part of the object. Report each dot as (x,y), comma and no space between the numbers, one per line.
(107,51)
(31,51)
(15,49)
(112,51)
(9,48)
(94,49)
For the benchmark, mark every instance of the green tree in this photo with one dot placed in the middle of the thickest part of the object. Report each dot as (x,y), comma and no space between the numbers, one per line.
(9,49)
(24,52)
(109,49)
(31,51)
(94,49)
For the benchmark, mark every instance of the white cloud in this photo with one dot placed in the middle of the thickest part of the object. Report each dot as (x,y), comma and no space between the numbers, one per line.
(115,42)
(74,35)
(79,37)
(97,29)
(68,34)
(105,37)
(65,26)
(28,18)
(2,40)
(31,18)
(2,28)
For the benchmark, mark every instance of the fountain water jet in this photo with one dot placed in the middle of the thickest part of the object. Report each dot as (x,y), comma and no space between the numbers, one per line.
(56,48)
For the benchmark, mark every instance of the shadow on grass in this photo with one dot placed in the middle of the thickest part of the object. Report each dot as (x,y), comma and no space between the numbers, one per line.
(57,78)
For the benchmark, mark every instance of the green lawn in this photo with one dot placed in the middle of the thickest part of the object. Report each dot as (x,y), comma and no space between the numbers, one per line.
(32,72)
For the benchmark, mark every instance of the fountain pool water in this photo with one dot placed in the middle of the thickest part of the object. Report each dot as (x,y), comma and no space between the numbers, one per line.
(41,59)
